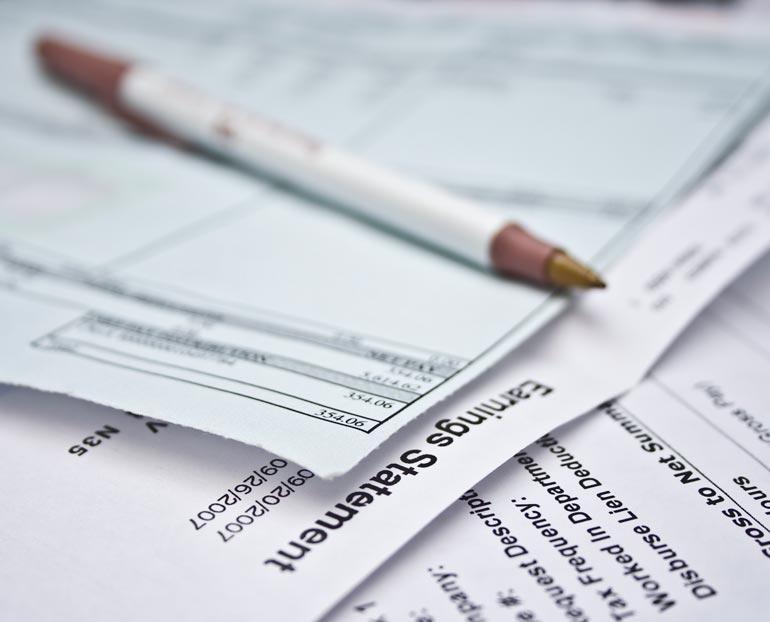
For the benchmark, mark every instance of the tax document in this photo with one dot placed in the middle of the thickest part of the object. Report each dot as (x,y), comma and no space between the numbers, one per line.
(115,511)
(156,282)
(656,506)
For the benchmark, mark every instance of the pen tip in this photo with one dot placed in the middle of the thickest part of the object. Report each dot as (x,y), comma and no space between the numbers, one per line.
(566,271)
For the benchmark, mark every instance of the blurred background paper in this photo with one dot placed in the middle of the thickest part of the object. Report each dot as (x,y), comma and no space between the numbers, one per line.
(152,281)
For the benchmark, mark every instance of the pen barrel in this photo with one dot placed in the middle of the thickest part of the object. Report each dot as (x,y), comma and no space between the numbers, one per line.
(414,208)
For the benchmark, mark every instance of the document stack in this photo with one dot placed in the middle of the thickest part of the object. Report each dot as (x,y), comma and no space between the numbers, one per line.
(226,399)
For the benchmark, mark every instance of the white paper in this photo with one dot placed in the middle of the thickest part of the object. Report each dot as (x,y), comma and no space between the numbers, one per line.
(655,506)
(162,519)
(151,281)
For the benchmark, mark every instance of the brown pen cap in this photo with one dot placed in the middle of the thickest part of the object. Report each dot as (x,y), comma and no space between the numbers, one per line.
(98,76)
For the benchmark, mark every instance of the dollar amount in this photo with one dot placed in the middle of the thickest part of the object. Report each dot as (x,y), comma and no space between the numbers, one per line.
(369,399)
(333,415)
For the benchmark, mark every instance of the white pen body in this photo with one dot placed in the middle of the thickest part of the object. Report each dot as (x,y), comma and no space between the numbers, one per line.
(417,209)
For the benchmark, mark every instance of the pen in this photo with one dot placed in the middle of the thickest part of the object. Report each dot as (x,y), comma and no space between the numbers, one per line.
(167,108)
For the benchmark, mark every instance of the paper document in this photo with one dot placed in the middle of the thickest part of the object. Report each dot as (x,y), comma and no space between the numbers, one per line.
(91,486)
(155,282)
(654,505)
